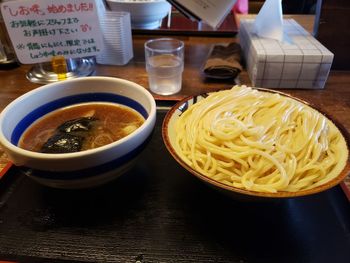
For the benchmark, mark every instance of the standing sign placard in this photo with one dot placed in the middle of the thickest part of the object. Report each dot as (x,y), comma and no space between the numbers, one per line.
(43,29)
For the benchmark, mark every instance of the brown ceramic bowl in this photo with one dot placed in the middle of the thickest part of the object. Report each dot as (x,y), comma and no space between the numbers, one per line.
(168,133)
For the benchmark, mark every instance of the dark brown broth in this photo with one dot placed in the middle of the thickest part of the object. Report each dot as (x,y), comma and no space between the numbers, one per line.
(114,122)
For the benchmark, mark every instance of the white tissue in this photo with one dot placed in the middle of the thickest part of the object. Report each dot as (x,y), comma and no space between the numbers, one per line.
(269,22)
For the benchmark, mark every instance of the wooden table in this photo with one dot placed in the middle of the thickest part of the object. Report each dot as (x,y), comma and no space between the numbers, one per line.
(158,212)
(334,99)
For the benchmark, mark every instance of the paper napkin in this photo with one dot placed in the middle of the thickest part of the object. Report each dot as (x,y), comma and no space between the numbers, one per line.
(269,21)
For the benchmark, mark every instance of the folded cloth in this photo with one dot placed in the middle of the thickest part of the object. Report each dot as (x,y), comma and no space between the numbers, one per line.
(223,62)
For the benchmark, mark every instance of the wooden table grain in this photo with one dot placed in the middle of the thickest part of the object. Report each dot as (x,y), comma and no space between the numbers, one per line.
(157,213)
(334,99)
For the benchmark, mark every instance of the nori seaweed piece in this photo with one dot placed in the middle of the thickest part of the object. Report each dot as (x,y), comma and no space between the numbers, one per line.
(69,136)
(63,143)
(77,125)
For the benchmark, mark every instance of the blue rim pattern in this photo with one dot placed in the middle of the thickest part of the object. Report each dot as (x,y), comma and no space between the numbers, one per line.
(71,100)
(87,172)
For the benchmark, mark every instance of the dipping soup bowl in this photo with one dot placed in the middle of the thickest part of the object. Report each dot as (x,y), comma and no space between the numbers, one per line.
(85,168)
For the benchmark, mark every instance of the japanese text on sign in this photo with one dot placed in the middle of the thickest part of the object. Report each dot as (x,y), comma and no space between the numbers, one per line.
(42,29)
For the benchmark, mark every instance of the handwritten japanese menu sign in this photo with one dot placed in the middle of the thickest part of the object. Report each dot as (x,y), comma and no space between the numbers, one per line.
(42,29)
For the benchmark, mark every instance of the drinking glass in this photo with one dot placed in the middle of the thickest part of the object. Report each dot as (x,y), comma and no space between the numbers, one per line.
(164,65)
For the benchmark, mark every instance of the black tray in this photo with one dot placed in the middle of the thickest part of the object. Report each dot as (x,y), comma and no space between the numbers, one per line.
(158,212)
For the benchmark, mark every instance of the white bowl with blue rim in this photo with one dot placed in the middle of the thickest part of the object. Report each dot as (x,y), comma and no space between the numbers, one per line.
(78,169)
(144,14)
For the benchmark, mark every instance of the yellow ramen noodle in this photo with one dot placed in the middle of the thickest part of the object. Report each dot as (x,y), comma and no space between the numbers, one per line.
(260,141)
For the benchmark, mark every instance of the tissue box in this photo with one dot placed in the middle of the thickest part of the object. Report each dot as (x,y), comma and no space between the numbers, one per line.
(304,63)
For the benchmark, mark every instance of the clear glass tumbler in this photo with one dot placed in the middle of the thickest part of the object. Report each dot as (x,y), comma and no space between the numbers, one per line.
(164,65)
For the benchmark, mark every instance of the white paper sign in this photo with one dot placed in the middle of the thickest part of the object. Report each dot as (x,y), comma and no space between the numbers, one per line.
(210,11)
(42,29)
